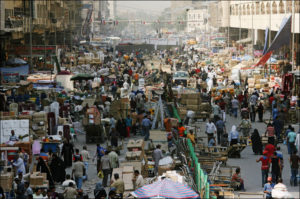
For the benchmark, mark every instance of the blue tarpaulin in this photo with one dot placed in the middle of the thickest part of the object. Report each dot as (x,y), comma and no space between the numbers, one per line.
(22,70)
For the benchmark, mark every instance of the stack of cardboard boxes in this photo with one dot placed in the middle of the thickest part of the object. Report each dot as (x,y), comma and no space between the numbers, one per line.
(191,100)
(40,123)
(38,179)
(6,179)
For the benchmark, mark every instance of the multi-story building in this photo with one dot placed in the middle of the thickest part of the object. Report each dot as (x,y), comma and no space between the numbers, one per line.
(197,20)
(54,22)
(256,16)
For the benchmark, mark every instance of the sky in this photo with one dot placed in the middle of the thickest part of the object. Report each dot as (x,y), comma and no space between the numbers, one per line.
(155,7)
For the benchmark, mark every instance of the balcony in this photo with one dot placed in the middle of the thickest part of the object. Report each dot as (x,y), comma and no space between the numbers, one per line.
(14,24)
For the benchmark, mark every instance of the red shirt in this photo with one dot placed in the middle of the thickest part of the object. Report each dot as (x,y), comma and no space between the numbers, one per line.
(271,99)
(270,148)
(264,162)
(222,105)
(181,131)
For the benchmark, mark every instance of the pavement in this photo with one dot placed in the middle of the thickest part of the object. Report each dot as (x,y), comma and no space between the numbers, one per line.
(250,170)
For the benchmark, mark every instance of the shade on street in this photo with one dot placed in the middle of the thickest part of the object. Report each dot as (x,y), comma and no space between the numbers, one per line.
(165,189)
(82,76)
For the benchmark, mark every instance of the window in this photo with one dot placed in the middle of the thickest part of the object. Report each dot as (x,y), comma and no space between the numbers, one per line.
(8,13)
(248,9)
(252,9)
(274,8)
(289,6)
(257,8)
(262,8)
(18,12)
(268,8)
(281,7)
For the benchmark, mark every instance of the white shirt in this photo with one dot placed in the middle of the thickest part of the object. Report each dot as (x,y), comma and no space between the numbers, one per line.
(67,182)
(139,182)
(210,128)
(19,164)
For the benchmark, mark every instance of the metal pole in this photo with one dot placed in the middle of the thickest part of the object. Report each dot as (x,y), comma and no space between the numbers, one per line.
(45,48)
(270,32)
(293,38)
(240,30)
(228,26)
(30,35)
(252,34)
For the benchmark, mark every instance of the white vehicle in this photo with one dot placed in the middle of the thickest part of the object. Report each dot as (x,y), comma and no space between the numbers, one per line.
(181,77)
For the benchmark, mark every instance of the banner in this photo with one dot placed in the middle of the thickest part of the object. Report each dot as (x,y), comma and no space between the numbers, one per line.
(283,36)
(266,41)
(264,59)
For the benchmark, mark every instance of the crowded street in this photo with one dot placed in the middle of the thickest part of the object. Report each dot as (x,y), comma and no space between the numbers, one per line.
(128,99)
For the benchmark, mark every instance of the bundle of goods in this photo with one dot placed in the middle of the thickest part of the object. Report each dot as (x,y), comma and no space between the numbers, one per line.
(38,179)
(39,123)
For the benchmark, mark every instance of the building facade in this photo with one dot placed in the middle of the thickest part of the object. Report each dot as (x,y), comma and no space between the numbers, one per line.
(197,20)
(54,22)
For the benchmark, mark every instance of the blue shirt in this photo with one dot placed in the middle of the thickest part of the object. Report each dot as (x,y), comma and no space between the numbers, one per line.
(234,135)
(268,187)
(128,122)
(220,125)
(146,122)
(13,138)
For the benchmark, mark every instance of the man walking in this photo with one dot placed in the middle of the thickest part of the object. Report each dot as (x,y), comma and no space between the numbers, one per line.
(268,188)
(210,130)
(78,172)
(265,163)
(100,152)
(146,126)
(235,107)
(157,155)
(85,158)
(105,167)
(220,130)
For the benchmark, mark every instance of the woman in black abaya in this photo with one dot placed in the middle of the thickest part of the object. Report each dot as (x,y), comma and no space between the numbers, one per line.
(57,168)
(67,152)
(256,142)
(43,168)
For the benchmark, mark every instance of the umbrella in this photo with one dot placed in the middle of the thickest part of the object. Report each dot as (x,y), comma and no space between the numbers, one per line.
(82,76)
(165,189)
(15,61)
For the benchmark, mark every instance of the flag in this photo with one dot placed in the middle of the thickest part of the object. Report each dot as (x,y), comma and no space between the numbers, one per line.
(266,41)
(283,36)
(264,59)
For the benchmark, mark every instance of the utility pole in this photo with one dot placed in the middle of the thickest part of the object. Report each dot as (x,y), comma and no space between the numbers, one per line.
(252,33)
(30,34)
(240,30)
(228,34)
(293,38)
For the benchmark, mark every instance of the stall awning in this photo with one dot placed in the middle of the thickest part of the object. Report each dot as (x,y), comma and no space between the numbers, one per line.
(247,40)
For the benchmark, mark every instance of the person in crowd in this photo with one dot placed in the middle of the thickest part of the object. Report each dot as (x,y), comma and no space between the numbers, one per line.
(105,167)
(181,130)
(297,142)
(85,159)
(128,122)
(19,165)
(99,153)
(216,110)
(28,189)
(44,155)
(260,111)
(221,129)
(67,152)
(78,172)
(57,168)
(146,126)
(77,155)
(2,194)
(280,156)
(236,181)
(68,180)
(157,155)
(113,159)
(38,194)
(270,133)
(276,168)
(191,137)
(212,142)
(119,185)
(278,127)
(70,192)
(211,130)
(268,188)
(294,161)
(13,137)
(114,138)
(137,180)
(235,107)
(265,164)
(20,189)
(233,137)
(43,168)
(290,140)
(256,142)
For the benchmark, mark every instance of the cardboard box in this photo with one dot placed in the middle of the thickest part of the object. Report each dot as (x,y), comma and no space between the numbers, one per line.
(137,165)
(6,181)
(127,169)
(192,101)
(192,107)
